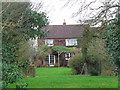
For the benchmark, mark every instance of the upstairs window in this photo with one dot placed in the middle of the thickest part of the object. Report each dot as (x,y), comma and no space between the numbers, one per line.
(49,42)
(71,42)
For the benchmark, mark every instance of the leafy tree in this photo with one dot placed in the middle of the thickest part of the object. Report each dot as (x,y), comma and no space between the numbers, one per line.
(20,24)
(42,52)
(104,17)
(95,52)
(60,50)
(113,40)
(98,58)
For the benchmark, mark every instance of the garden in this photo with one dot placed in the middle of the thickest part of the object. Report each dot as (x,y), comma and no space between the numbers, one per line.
(97,65)
(64,78)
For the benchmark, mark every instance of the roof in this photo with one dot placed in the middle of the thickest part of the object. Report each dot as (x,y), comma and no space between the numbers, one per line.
(64,31)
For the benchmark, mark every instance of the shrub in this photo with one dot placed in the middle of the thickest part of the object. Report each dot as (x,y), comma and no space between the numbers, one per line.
(77,62)
(97,59)
(93,65)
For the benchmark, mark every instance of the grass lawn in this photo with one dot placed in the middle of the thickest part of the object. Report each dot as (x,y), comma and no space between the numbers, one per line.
(62,78)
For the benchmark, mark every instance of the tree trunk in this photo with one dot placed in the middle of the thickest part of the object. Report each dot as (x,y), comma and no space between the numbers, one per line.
(58,59)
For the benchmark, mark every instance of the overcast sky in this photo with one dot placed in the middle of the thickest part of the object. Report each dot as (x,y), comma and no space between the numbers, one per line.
(57,12)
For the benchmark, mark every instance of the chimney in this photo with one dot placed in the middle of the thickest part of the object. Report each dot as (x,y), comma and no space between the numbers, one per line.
(64,23)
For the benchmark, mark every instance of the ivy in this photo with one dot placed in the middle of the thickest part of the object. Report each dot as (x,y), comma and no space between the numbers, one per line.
(113,40)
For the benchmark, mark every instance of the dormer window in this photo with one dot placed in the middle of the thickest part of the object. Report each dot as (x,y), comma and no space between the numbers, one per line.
(49,42)
(71,42)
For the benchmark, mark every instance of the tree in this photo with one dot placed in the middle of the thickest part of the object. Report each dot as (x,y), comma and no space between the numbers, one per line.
(113,40)
(103,15)
(98,58)
(20,24)
(42,52)
(60,50)
(94,12)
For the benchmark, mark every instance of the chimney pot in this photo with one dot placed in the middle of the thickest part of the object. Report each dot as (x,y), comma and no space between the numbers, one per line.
(64,23)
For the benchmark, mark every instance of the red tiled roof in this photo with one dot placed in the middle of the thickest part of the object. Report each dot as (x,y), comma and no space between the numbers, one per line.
(64,31)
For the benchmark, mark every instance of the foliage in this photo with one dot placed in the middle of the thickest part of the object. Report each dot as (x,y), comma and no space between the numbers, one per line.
(63,49)
(60,49)
(77,63)
(18,28)
(94,57)
(36,21)
(72,49)
(113,40)
(43,51)
(62,78)
(87,43)
(23,52)
(95,52)
(26,58)
(12,72)
(88,34)
(104,17)
(98,58)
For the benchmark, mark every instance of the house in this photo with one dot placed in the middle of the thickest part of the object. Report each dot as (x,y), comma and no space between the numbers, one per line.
(62,35)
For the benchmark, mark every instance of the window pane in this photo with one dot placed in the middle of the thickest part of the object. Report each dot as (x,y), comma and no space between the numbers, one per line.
(71,42)
(49,42)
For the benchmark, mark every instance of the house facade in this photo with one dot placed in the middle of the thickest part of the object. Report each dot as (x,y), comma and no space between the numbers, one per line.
(62,35)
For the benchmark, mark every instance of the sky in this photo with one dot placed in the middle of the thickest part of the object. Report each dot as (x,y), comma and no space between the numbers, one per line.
(57,12)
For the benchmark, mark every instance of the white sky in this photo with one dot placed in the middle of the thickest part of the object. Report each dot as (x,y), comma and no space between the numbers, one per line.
(57,13)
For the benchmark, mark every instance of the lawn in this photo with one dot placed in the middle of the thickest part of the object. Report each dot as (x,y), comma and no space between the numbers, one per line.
(62,78)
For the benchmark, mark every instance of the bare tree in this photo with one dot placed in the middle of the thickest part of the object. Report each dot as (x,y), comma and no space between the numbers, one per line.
(95,11)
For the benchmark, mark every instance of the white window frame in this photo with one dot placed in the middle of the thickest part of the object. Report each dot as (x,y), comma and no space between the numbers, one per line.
(49,42)
(71,42)
(69,56)
(49,59)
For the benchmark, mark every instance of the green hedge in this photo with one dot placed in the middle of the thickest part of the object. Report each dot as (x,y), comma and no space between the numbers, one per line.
(77,62)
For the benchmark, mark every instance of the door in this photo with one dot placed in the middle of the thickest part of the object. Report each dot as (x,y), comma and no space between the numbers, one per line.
(50,59)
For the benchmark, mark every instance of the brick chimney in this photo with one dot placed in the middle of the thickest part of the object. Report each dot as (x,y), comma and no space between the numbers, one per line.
(64,23)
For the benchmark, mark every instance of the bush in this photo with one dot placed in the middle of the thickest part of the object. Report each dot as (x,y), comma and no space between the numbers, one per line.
(97,59)
(77,62)
(93,64)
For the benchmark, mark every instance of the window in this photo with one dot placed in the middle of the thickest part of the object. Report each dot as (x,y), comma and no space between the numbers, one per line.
(50,59)
(67,56)
(49,42)
(60,41)
(71,42)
